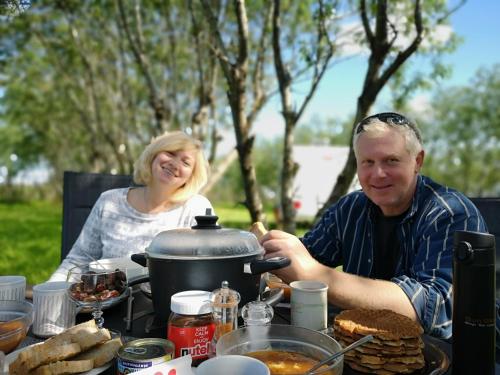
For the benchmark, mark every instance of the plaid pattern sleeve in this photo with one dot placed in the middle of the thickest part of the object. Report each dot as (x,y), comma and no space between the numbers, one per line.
(344,236)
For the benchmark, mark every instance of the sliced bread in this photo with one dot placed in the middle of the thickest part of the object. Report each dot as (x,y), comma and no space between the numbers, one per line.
(103,353)
(64,367)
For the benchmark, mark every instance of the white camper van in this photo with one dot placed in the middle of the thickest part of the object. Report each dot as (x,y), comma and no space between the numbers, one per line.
(319,167)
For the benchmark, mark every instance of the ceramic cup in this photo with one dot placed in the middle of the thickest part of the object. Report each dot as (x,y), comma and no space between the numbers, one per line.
(232,364)
(12,288)
(54,310)
(309,304)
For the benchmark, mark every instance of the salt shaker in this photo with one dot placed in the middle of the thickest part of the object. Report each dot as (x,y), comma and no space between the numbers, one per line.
(225,309)
(257,313)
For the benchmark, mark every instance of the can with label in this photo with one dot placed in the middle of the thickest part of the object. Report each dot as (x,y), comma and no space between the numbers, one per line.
(143,353)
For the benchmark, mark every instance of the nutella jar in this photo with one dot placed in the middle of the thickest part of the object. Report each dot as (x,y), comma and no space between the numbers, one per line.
(191,325)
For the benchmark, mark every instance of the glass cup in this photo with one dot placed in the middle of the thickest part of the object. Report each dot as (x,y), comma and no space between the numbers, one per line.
(54,310)
(12,288)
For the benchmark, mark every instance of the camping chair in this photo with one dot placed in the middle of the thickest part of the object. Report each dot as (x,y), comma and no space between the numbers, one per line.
(80,192)
(490,210)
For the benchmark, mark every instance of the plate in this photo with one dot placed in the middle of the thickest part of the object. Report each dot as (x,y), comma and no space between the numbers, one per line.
(11,357)
(436,360)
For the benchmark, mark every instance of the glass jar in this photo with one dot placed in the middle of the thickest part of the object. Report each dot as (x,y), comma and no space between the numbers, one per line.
(191,325)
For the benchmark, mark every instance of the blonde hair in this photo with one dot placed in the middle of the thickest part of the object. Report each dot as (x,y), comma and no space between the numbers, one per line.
(374,127)
(169,142)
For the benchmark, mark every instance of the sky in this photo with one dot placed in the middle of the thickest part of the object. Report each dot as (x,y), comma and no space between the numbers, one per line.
(476,22)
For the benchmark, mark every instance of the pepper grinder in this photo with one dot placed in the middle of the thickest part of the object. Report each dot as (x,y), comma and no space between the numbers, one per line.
(473,303)
(225,310)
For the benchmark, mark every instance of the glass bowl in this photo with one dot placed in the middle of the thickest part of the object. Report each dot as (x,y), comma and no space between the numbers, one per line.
(282,338)
(16,318)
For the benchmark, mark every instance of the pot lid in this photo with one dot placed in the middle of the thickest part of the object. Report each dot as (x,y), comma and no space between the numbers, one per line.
(206,239)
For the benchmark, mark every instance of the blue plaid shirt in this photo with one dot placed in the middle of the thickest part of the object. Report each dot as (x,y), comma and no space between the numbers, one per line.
(344,236)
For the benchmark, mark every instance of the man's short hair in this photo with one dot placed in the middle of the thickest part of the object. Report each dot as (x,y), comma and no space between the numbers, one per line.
(170,142)
(379,123)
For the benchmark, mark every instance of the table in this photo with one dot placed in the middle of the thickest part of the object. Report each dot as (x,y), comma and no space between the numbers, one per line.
(146,325)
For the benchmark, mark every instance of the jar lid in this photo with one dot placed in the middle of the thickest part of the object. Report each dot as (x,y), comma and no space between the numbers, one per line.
(205,240)
(191,302)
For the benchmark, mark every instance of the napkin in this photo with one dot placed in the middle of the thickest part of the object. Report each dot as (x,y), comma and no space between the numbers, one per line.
(178,366)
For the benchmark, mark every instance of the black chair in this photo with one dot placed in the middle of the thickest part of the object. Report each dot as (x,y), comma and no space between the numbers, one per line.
(80,192)
(490,210)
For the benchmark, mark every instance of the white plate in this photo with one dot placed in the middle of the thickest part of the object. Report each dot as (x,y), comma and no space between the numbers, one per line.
(131,268)
(11,357)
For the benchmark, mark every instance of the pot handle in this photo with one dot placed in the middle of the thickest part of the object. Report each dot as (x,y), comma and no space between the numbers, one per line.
(272,296)
(139,259)
(259,266)
(139,280)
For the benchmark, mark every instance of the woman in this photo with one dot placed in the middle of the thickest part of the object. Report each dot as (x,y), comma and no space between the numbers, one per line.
(172,170)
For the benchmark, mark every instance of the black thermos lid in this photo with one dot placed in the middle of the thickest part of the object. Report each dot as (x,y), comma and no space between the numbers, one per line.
(476,239)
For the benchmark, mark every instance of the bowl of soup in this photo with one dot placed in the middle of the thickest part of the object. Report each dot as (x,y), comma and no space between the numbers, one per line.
(285,349)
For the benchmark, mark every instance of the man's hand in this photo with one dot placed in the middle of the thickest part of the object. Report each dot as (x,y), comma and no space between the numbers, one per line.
(282,244)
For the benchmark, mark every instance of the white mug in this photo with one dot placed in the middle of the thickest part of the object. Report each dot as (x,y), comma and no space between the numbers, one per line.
(309,304)
(12,288)
(54,310)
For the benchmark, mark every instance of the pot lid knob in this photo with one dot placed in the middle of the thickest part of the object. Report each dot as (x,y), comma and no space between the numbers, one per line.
(207,221)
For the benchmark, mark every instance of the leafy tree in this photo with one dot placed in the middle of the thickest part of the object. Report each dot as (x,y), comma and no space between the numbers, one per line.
(393,32)
(463,135)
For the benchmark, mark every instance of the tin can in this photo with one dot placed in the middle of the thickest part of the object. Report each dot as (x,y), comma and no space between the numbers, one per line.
(143,353)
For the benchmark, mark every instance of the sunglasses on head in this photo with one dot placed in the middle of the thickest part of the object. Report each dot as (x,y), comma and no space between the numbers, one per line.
(390,118)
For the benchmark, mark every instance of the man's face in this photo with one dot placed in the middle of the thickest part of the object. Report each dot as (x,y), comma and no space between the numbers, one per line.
(386,171)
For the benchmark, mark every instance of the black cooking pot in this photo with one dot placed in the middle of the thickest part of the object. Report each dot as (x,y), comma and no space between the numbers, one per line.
(200,258)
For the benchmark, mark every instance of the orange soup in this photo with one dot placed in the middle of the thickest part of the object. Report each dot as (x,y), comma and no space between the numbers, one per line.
(283,362)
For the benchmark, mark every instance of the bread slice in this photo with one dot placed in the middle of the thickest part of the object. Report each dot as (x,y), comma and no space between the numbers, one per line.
(67,336)
(258,229)
(64,367)
(101,354)
(60,347)
(90,338)
(41,354)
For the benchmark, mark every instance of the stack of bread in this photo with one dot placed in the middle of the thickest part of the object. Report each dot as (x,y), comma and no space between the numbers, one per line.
(78,349)
(397,347)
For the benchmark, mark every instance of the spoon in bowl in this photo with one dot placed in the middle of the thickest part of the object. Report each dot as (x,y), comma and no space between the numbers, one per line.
(355,344)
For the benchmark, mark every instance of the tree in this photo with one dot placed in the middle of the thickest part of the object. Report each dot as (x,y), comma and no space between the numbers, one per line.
(463,135)
(92,83)
(386,25)
(317,57)
(234,62)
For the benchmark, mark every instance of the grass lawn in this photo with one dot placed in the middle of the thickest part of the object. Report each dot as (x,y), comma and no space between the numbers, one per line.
(30,236)
(30,239)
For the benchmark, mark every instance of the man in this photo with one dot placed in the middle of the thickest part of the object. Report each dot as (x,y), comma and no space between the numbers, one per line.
(394,238)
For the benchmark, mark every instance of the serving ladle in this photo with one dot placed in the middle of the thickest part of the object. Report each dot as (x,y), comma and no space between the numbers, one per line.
(355,344)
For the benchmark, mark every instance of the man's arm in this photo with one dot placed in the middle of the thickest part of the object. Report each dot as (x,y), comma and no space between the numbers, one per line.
(344,290)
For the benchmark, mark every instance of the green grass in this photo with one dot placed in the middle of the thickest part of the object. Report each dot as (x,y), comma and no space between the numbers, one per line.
(30,239)
(30,236)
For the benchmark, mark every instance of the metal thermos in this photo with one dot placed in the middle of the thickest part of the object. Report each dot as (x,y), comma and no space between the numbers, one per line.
(473,303)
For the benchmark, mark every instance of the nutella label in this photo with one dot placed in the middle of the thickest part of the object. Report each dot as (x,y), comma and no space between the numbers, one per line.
(191,340)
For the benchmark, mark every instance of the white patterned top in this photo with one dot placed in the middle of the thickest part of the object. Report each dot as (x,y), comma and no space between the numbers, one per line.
(115,229)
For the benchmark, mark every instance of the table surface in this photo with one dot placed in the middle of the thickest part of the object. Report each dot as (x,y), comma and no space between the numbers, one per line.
(114,318)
